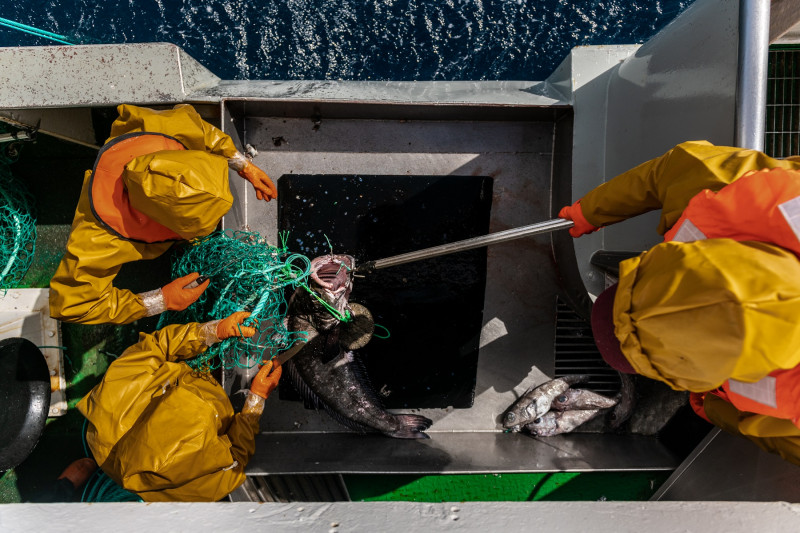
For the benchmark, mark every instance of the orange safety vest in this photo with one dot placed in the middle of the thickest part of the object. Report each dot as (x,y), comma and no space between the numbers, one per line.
(108,196)
(764,206)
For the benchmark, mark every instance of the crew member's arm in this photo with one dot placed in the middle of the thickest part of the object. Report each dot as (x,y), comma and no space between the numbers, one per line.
(774,435)
(668,183)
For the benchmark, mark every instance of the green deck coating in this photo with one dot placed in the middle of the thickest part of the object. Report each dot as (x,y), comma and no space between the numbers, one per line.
(556,486)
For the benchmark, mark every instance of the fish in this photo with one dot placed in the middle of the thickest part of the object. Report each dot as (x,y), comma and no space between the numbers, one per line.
(573,407)
(536,401)
(558,422)
(580,399)
(327,371)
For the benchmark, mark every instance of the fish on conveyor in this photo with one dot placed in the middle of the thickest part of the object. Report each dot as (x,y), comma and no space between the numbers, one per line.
(327,371)
(558,422)
(537,401)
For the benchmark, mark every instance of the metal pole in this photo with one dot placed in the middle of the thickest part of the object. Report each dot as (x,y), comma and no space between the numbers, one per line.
(468,244)
(751,85)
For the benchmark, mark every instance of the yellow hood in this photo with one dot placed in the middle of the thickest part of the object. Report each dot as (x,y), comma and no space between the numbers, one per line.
(185,190)
(695,314)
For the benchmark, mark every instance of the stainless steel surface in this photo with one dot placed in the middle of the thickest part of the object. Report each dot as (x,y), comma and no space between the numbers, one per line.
(727,467)
(516,338)
(469,244)
(751,85)
(678,86)
(457,452)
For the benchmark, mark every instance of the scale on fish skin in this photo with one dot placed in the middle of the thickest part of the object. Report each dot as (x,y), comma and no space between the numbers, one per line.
(433,308)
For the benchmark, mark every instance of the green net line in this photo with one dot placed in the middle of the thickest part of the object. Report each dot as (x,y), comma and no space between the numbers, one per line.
(17,229)
(247,274)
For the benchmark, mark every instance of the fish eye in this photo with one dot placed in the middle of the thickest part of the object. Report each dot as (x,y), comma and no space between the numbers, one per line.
(537,421)
(510,416)
(562,398)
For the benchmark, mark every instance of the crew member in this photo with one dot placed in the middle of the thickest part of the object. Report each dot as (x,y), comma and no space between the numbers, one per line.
(161,177)
(714,309)
(166,432)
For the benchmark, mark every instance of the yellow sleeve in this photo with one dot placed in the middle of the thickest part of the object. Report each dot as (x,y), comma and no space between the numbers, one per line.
(174,342)
(242,434)
(82,289)
(182,122)
(670,181)
(773,435)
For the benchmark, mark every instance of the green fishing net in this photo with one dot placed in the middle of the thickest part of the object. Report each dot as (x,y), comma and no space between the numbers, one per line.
(17,228)
(247,274)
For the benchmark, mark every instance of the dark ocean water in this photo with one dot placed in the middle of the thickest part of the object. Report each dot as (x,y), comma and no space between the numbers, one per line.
(354,40)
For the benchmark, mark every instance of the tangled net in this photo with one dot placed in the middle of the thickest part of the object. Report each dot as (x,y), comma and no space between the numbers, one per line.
(17,229)
(247,274)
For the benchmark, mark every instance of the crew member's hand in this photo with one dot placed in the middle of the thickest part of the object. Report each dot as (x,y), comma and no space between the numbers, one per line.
(178,298)
(267,379)
(265,189)
(231,326)
(574,213)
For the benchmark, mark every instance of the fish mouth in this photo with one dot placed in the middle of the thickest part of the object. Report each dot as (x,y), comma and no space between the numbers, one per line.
(332,280)
(333,272)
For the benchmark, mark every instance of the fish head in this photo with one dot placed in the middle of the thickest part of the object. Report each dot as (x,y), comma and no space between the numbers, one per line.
(544,426)
(332,282)
(525,410)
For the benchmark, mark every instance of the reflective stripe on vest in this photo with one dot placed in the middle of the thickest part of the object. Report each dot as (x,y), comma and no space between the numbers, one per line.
(764,206)
(109,198)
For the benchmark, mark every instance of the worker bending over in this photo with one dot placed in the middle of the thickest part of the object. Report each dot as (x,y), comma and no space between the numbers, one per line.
(166,432)
(715,308)
(160,178)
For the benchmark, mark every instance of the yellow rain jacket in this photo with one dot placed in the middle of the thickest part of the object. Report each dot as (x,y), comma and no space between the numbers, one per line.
(693,314)
(185,190)
(163,431)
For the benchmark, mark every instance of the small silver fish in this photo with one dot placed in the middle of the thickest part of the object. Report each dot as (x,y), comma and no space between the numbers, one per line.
(558,422)
(537,401)
(576,399)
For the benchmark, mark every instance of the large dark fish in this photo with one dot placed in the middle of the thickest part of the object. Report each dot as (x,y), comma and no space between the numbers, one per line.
(326,371)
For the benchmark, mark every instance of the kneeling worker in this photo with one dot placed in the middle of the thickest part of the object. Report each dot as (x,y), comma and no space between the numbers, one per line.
(167,433)
(714,309)
(162,177)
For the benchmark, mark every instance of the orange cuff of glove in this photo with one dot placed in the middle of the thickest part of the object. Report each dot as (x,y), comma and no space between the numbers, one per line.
(232,326)
(575,214)
(267,379)
(177,297)
(265,189)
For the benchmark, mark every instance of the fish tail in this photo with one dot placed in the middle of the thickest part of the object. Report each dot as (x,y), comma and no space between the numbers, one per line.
(627,400)
(411,427)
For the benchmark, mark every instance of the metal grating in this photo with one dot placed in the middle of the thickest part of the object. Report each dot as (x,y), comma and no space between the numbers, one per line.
(782,131)
(576,352)
(292,488)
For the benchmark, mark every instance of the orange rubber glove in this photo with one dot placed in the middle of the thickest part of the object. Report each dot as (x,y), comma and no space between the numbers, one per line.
(177,298)
(265,189)
(229,327)
(267,379)
(574,213)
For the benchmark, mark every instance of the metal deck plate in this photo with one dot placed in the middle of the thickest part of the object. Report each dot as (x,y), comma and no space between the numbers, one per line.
(516,338)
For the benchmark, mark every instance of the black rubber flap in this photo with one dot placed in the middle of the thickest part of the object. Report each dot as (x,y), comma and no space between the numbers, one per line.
(433,308)
(24,397)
